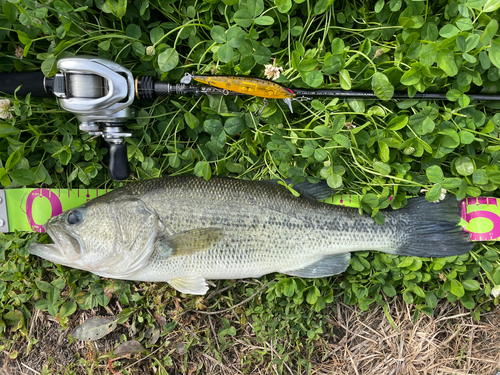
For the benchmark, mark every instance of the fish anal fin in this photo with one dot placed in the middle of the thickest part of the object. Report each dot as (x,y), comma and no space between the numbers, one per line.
(188,242)
(328,266)
(190,285)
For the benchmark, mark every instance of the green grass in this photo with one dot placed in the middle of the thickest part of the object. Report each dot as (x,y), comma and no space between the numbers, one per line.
(376,148)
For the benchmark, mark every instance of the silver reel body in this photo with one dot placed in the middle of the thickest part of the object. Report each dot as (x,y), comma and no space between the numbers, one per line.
(99,92)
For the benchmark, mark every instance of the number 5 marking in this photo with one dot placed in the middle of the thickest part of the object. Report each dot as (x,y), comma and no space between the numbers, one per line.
(494,233)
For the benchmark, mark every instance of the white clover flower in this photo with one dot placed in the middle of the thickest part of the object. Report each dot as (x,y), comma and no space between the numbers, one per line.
(272,71)
(19,52)
(495,292)
(409,150)
(443,195)
(5,109)
(150,50)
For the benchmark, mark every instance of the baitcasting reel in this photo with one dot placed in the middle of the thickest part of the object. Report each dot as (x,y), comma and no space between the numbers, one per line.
(99,92)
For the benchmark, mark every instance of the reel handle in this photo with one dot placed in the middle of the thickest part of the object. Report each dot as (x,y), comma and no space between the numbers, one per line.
(119,168)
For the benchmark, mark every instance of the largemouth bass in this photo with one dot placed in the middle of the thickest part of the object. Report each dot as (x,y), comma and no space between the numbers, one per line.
(185,230)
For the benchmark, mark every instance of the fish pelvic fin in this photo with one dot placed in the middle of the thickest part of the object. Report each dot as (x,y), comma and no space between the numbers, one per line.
(188,242)
(190,285)
(327,266)
(433,229)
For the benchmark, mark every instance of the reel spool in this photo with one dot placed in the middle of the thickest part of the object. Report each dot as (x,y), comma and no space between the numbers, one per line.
(88,86)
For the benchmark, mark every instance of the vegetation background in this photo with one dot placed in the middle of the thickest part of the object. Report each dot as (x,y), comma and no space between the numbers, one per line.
(375,148)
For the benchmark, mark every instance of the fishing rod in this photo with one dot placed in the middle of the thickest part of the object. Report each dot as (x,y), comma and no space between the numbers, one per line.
(99,92)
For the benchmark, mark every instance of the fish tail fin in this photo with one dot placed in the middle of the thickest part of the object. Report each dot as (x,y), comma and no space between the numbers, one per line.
(433,229)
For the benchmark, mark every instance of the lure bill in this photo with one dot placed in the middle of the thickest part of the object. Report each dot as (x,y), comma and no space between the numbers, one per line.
(28,209)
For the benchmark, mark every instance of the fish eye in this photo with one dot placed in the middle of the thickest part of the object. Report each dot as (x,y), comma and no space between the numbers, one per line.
(75,217)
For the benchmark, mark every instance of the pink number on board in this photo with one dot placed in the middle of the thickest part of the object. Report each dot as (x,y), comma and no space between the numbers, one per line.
(494,218)
(54,201)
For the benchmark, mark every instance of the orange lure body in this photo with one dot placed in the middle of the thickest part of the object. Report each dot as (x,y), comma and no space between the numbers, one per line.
(247,85)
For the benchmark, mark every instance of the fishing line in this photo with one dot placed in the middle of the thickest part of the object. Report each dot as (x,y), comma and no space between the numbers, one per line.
(86,86)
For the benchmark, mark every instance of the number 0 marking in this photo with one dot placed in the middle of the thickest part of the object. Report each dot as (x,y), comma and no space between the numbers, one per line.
(54,201)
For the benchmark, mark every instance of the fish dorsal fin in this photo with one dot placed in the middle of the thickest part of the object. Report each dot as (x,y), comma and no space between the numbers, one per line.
(190,285)
(188,242)
(327,266)
(317,191)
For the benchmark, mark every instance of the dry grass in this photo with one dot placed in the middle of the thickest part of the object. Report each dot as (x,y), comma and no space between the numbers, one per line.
(450,342)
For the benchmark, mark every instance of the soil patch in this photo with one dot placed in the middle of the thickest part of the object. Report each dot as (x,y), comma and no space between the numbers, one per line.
(450,342)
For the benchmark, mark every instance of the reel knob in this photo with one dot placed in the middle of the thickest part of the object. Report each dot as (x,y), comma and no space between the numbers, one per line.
(119,169)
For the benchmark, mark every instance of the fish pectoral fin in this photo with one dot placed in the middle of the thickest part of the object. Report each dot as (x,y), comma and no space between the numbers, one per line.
(190,285)
(188,242)
(327,266)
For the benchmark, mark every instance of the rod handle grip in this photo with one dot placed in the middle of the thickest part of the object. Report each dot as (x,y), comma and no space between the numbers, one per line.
(30,82)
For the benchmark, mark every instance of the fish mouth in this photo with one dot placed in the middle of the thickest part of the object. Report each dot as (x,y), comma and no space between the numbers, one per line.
(66,249)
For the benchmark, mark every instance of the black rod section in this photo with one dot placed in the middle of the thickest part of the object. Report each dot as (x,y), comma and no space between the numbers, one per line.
(397,95)
(30,82)
(149,88)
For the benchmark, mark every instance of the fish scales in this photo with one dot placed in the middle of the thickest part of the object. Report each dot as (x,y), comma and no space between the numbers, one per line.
(266,229)
(185,230)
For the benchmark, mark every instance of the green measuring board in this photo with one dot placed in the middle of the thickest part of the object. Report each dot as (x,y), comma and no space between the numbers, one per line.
(29,209)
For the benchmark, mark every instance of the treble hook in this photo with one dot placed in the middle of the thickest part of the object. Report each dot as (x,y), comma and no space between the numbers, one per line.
(262,109)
